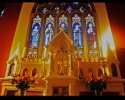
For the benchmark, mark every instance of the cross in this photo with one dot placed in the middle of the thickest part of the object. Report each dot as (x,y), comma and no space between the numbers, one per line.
(62,51)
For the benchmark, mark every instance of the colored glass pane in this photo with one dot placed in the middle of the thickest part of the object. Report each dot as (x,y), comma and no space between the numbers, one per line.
(44,10)
(63,3)
(49,30)
(63,23)
(75,3)
(34,37)
(81,9)
(57,9)
(91,32)
(69,9)
(77,31)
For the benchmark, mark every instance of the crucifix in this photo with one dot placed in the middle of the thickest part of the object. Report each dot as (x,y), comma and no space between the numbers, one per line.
(62,52)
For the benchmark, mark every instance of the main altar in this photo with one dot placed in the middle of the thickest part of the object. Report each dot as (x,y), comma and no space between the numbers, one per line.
(59,70)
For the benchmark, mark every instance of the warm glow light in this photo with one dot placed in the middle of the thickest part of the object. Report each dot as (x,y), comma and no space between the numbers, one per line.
(21,28)
(107,37)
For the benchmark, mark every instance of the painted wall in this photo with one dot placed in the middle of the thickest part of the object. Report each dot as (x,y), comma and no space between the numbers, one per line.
(22,26)
(8,25)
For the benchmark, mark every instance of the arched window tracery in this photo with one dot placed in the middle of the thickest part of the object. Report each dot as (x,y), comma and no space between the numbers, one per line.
(34,37)
(70,15)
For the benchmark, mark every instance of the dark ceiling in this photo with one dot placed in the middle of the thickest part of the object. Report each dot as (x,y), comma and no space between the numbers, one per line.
(2,5)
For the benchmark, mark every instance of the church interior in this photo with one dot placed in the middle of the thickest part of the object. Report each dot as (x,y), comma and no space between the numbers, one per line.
(61,42)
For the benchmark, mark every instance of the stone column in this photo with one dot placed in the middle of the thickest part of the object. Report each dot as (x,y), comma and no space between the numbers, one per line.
(51,64)
(7,71)
(71,64)
(15,66)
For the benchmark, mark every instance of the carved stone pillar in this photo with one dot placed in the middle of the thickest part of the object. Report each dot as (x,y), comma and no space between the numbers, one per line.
(71,64)
(7,70)
(15,67)
(51,64)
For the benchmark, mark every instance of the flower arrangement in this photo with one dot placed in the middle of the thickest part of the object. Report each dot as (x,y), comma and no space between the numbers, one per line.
(22,82)
(97,84)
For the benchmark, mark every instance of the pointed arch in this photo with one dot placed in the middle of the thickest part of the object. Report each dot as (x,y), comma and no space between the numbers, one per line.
(63,22)
(11,69)
(25,71)
(34,35)
(114,70)
(49,29)
(34,72)
(77,35)
(59,12)
(91,34)
(100,72)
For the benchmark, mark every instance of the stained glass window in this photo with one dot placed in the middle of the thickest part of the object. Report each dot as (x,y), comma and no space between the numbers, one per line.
(34,37)
(91,31)
(49,30)
(63,3)
(63,23)
(11,69)
(91,36)
(69,9)
(37,6)
(81,9)
(77,31)
(51,3)
(66,18)
(89,6)
(45,9)
(57,9)
(84,9)
(75,3)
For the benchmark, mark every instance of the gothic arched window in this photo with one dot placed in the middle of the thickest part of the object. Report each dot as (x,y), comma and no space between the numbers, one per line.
(77,31)
(49,30)
(78,19)
(11,69)
(25,71)
(63,23)
(34,37)
(91,34)
(34,72)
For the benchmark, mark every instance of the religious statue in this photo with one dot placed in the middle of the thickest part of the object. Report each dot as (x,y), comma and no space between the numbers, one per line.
(92,36)
(77,36)
(48,34)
